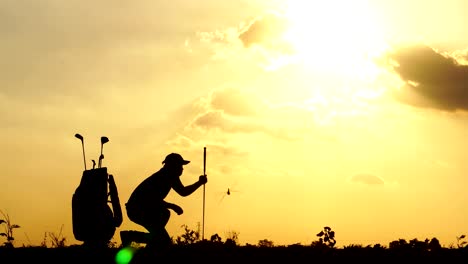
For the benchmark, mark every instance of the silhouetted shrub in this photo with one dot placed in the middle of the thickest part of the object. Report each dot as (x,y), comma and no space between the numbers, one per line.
(57,240)
(8,229)
(434,244)
(398,244)
(188,237)
(265,243)
(216,238)
(416,245)
(232,238)
(378,246)
(460,242)
(326,237)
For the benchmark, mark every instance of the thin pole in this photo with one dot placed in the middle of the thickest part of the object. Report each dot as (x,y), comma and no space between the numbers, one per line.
(204,173)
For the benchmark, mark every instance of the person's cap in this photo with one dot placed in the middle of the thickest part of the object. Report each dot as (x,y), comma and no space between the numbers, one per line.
(175,158)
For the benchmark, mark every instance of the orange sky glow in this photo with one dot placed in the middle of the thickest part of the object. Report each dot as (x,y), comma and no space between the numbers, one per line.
(348,114)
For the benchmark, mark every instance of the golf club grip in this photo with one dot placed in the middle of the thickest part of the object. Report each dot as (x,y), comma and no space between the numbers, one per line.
(204,160)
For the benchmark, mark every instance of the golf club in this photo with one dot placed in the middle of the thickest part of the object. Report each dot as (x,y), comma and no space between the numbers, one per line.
(104,140)
(101,157)
(204,173)
(80,137)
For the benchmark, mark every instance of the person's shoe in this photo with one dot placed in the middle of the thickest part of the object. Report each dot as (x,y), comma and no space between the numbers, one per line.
(129,236)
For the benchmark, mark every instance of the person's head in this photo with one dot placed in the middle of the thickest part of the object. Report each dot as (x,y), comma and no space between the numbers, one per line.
(175,162)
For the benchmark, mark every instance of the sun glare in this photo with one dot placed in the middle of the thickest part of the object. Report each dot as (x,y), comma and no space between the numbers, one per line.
(335,42)
(337,34)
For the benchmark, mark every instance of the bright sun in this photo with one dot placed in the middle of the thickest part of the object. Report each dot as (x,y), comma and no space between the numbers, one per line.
(335,43)
(337,34)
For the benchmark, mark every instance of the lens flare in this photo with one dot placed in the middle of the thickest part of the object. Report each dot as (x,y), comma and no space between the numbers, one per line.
(125,255)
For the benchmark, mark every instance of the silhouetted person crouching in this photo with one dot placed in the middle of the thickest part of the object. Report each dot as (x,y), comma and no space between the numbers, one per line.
(147,207)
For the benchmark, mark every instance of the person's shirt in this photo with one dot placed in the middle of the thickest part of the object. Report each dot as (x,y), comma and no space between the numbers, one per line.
(153,189)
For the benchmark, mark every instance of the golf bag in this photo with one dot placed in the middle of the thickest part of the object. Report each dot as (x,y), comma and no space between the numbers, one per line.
(94,222)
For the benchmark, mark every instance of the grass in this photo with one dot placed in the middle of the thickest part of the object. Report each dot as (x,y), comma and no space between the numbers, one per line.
(189,248)
(218,252)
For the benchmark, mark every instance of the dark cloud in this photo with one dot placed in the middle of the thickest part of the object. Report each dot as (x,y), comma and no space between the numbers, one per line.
(433,79)
(367,179)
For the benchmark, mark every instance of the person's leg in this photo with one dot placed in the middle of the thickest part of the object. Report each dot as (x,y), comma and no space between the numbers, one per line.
(154,219)
(137,215)
(157,228)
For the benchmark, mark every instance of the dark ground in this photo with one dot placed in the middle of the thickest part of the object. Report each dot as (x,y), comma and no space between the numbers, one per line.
(234,254)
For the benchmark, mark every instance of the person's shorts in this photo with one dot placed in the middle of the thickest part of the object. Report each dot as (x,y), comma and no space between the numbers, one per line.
(148,215)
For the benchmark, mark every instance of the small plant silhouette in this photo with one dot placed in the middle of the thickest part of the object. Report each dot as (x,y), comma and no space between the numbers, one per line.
(44,241)
(460,242)
(8,229)
(58,241)
(216,238)
(327,237)
(265,243)
(232,238)
(188,237)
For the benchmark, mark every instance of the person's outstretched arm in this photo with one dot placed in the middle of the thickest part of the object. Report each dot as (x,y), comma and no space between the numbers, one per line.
(189,189)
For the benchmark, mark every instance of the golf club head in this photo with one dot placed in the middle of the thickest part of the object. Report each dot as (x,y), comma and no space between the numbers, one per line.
(104,140)
(78,136)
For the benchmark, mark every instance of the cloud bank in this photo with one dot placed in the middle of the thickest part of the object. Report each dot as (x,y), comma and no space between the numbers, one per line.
(234,110)
(432,79)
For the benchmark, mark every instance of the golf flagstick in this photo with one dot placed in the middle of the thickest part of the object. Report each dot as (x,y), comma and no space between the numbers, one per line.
(204,171)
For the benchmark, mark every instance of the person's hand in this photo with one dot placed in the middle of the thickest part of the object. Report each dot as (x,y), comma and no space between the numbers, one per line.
(203,179)
(177,209)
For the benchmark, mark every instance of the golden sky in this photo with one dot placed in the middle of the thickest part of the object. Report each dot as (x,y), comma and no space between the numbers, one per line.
(351,114)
